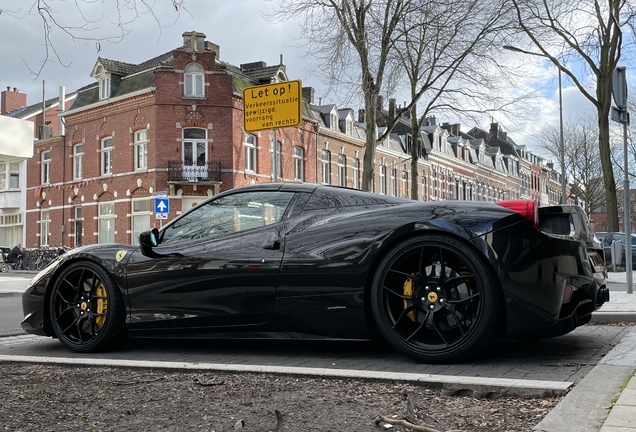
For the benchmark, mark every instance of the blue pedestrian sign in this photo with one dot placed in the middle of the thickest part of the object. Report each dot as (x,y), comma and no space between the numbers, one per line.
(162,208)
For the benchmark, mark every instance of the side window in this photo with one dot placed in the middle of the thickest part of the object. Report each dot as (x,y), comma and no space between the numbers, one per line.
(229,214)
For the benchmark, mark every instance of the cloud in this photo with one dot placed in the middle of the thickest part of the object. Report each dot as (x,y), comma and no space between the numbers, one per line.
(237,26)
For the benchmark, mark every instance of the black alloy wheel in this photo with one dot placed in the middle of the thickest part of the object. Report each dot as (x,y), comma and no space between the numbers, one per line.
(434,299)
(86,309)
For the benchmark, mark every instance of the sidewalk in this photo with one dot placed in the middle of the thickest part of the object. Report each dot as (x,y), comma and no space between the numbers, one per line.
(605,401)
(622,416)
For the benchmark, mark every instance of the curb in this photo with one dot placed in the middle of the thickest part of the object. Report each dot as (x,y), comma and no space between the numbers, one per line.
(613,317)
(479,386)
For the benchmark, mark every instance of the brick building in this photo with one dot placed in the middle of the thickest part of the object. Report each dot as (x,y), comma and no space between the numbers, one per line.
(173,125)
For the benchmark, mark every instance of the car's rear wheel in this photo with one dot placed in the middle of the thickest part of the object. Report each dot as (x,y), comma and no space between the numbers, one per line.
(434,299)
(86,309)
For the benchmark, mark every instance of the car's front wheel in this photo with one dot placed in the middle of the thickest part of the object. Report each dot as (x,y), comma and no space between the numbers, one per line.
(434,299)
(86,309)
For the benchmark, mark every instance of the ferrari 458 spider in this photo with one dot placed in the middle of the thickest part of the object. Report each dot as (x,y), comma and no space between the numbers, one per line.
(438,280)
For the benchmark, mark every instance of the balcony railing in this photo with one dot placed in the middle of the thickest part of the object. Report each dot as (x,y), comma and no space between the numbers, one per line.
(208,172)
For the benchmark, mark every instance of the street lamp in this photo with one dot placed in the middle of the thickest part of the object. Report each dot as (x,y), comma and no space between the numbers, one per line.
(561,146)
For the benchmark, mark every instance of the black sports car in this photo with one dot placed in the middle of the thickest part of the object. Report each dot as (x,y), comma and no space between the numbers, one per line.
(437,280)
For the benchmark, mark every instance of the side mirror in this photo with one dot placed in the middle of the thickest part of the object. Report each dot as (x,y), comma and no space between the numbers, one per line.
(147,240)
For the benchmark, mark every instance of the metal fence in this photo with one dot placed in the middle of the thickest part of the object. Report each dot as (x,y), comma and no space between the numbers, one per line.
(202,171)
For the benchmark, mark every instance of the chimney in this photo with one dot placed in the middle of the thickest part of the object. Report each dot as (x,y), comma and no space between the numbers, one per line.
(455,129)
(494,130)
(11,100)
(503,135)
(193,41)
(308,94)
(431,121)
(391,108)
(362,116)
(252,66)
(380,103)
(61,109)
(212,47)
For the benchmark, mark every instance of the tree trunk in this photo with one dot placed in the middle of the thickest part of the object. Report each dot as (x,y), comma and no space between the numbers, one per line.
(603,94)
(415,134)
(370,102)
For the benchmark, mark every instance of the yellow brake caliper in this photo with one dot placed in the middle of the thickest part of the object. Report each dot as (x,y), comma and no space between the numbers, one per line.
(102,305)
(408,291)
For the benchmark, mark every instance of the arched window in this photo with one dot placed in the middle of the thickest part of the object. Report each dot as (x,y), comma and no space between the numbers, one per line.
(299,164)
(326,166)
(342,170)
(193,80)
(194,153)
(250,152)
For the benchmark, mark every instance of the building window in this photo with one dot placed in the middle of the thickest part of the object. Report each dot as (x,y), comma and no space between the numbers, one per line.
(14,176)
(104,87)
(334,121)
(107,156)
(383,180)
(46,167)
(424,187)
(3,176)
(342,170)
(394,182)
(106,223)
(77,161)
(141,149)
(193,80)
(44,228)
(434,181)
(356,173)
(299,164)
(194,153)
(140,218)
(325,159)
(77,222)
(405,184)
(250,153)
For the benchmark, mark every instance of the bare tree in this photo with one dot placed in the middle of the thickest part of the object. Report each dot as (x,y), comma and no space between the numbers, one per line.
(447,51)
(353,40)
(572,33)
(581,157)
(83,20)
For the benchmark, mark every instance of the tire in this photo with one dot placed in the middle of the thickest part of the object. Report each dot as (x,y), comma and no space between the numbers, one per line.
(434,299)
(4,267)
(87,310)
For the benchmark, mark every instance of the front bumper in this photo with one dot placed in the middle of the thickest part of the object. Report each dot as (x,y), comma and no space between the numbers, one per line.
(34,303)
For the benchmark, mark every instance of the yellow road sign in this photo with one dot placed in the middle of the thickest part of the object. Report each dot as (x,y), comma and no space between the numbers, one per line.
(272,106)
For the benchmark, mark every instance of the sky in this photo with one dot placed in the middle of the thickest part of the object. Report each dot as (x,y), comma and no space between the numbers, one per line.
(238,26)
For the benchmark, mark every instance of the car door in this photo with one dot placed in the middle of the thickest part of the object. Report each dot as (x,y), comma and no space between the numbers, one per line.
(217,265)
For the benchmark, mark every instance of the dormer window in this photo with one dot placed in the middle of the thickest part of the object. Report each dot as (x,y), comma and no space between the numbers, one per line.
(193,80)
(104,87)
(334,121)
(103,78)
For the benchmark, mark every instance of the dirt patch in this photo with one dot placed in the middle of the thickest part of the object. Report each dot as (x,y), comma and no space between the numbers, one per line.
(68,398)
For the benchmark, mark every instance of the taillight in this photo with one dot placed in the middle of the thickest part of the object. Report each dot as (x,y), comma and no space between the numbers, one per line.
(529,209)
